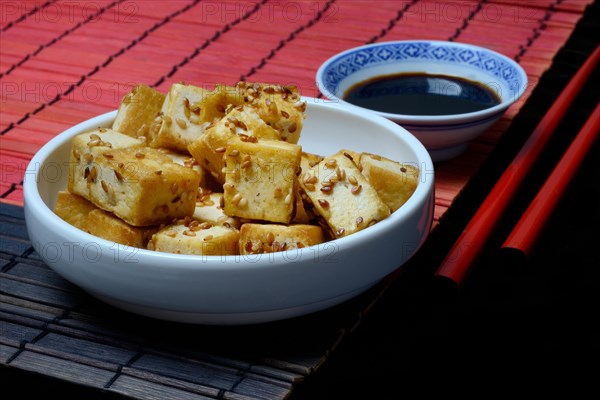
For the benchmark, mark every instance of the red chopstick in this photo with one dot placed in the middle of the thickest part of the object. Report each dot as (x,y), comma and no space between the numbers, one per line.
(470,243)
(525,234)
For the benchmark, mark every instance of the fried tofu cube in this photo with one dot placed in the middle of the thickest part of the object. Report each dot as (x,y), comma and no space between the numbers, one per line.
(270,238)
(189,237)
(309,160)
(279,106)
(138,110)
(187,161)
(301,214)
(261,179)
(344,199)
(142,186)
(110,227)
(239,120)
(84,215)
(183,118)
(73,209)
(105,138)
(209,208)
(394,182)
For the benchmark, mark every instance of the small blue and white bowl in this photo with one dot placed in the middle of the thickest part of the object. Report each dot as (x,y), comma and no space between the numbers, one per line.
(444,136)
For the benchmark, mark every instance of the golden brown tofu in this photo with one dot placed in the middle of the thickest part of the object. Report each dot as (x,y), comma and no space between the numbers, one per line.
(336,190)
(209,208)
(84,215)
(107,226)
(142,186)
(138,110)
(191,237)
(281,107)
(271,238)
(239,121)
(393,181)
(261,179)
(183,118)
(73,209)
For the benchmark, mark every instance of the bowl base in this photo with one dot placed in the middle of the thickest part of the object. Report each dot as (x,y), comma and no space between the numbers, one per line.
(233,318)
(447,153)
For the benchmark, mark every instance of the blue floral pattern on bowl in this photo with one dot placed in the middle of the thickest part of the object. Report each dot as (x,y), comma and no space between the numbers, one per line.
(444,52)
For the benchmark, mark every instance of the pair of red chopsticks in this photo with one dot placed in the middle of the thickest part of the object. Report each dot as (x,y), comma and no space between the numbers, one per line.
(469,245)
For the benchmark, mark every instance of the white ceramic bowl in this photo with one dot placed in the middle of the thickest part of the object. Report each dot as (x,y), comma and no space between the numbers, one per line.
(445,136)
(236,289)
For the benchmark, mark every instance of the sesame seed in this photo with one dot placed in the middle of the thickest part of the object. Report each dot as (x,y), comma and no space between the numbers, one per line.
(356,189)
(181,123)
(270,237)
(332,163)
(93,174)
(301,106)
(311,179)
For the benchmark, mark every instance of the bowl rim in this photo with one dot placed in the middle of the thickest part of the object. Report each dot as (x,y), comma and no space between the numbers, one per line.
(429,119)
(34,202)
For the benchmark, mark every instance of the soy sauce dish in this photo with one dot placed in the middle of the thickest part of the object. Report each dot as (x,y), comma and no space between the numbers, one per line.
(444,93)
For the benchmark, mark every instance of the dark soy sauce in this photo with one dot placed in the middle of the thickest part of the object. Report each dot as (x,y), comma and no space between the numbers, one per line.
(421,94)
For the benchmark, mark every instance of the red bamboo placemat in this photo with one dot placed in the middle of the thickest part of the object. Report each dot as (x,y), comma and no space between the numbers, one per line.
(64,62)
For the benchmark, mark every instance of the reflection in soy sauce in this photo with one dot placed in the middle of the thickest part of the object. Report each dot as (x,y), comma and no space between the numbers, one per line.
(421,94)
